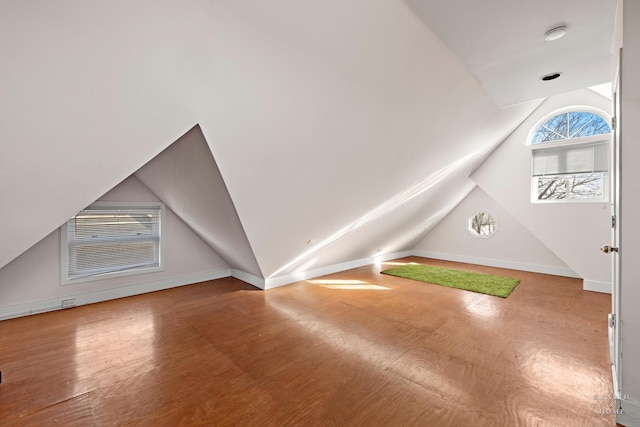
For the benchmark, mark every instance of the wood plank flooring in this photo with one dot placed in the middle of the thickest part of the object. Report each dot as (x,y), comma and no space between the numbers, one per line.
(355,348)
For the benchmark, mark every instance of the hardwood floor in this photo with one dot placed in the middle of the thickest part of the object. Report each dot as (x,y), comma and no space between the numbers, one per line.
(352,348)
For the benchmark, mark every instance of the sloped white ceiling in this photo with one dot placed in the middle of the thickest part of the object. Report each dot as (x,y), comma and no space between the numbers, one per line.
(502,42)
(326,126)
(186,178)
(396,231)
(316,113)
(88,94)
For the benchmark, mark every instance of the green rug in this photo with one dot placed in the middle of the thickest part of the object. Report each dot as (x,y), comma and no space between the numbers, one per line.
(498,286)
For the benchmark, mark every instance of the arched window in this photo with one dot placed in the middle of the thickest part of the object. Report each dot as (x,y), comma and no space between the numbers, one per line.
(573,124)
(570,157)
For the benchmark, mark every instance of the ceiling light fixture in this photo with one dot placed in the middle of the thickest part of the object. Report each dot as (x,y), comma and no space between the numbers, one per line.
(555,33)
(550,76)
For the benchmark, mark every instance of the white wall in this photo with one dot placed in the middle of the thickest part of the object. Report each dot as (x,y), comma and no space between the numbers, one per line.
(389,231)
(332,109)
(572,231)
(32,281)
(511,246)
(82,84)
(316,112)
(186,178)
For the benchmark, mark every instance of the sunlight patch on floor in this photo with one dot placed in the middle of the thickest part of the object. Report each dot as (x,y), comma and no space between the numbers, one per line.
(356,287)
(347,284)
(337,282)
(398,263)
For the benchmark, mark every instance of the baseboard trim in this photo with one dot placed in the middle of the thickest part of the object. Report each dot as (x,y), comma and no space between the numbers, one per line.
(594,286)
(614,375)
(274,282)
(251,279)
(628,413)
(492,262)
(42,306)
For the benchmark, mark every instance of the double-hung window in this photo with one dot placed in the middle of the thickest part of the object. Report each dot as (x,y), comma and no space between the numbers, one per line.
(112,239)
(570,158)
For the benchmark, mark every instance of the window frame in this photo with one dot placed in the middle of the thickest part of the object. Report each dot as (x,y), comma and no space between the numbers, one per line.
(472,231)
(580,141)
(117,207)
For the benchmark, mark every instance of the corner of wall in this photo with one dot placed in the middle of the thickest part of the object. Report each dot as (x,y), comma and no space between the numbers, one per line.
(274,282)
(249,278)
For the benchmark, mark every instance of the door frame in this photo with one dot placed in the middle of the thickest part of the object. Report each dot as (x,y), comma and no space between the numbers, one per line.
(616,234)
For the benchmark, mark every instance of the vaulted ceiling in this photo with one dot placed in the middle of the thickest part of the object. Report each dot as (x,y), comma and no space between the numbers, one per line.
(263,125)
(503,44)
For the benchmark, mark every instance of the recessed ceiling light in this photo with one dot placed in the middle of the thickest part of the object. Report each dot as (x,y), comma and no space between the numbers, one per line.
(550,76)
(555,33)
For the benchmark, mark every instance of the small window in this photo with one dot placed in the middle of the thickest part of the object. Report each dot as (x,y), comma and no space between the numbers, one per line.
(481,224)
(107,240)
(570,158)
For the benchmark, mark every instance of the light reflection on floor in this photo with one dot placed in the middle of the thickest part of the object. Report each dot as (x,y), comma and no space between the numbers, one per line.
(559,374)
(413,365)
(484,306)
(129,343)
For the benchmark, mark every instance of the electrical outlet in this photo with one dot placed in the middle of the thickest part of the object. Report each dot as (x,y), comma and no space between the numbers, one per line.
(68,303)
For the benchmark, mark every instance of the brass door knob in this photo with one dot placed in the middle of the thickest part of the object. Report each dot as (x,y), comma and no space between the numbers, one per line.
(608,249)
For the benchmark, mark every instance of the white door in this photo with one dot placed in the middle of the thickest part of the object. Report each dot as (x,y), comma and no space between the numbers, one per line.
(614,247)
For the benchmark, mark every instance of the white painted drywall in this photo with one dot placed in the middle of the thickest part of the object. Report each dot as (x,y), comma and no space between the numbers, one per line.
(399,225)
(35,275)
(316,112)
(511,244)
(186,178)
(502,43)
(630,204)
(90,92)
(574,232)
(333,109)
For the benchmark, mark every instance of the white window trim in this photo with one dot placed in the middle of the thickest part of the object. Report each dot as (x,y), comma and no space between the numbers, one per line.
(578,108)
(64,245)
(473,232)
